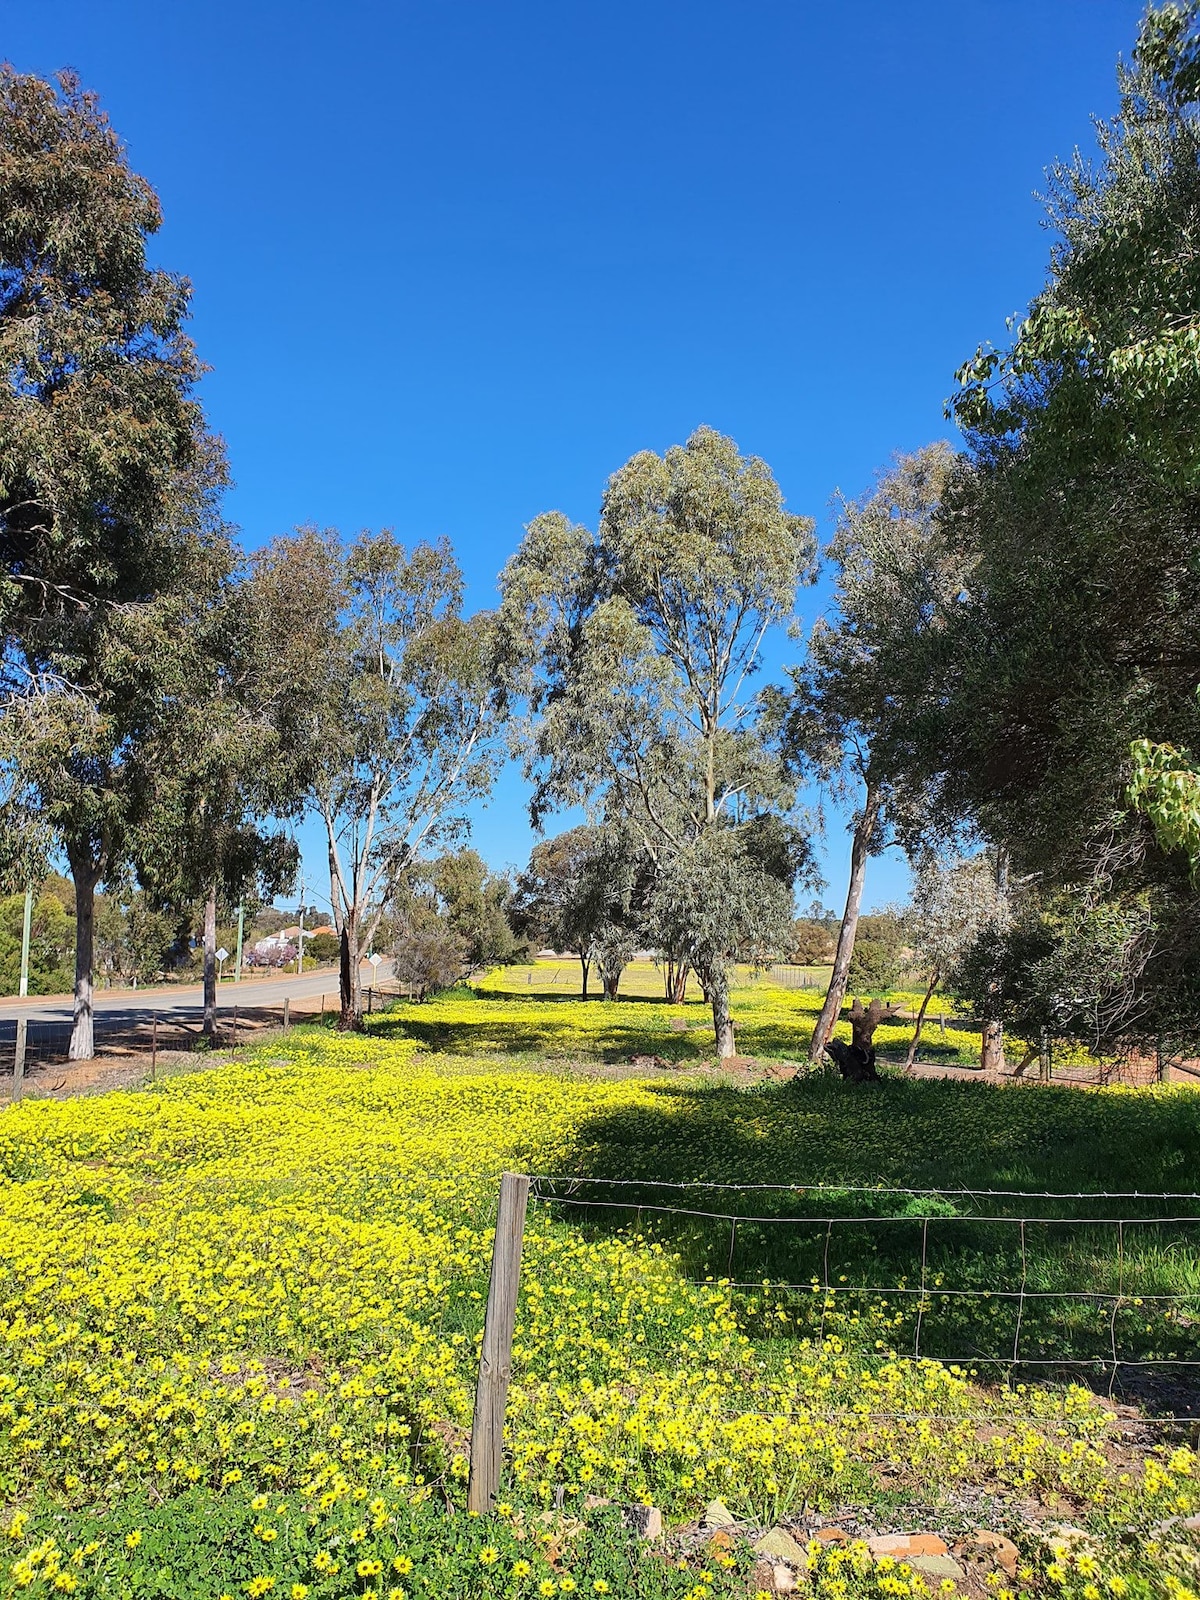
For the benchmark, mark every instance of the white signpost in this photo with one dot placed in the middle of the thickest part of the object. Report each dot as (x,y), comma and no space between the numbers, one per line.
(222,958)
(374,960)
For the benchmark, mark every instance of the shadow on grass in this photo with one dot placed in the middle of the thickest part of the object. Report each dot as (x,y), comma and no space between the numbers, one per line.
(1047,1280)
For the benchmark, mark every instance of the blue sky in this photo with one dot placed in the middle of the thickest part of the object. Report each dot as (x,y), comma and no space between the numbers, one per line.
(454,263)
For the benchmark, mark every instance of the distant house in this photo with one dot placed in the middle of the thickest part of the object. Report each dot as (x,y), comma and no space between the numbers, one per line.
(276,950)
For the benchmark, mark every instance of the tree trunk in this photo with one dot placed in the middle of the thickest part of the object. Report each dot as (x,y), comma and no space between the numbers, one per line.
(718,987)
(916,1038)
(586,965)
(85,871)
(349,976)
(210,963)
(991,1048)
(836,993)
(679,988)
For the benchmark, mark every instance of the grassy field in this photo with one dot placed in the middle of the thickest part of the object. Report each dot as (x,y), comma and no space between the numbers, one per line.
(241,1310)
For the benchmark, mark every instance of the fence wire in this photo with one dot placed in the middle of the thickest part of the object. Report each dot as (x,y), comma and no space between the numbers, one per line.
(996,1288)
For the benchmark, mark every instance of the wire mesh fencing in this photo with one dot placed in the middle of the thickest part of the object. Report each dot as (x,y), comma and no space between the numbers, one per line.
(1099,1288)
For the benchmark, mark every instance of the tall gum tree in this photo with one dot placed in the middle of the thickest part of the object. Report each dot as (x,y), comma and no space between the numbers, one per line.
(897,569)
(398,724)
(99,438)
(641,644)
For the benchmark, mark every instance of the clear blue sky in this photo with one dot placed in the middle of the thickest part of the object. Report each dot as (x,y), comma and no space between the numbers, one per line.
(454,263)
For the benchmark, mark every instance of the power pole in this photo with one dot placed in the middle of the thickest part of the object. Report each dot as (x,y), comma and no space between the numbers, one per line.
(300,952)
(237,976)
(25,932)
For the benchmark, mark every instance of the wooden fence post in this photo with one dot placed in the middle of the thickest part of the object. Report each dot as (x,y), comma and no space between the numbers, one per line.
(287,1011)
(18,1087)
(495,1358)
(1044,1057)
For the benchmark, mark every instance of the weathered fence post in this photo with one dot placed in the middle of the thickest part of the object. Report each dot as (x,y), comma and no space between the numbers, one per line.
(153,1047)
(1160,1066)
(287,1011)
(495,1358)
(1044,1057)
(18,1087)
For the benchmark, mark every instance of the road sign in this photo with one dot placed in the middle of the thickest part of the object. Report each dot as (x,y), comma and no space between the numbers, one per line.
(375,960)
(222,954)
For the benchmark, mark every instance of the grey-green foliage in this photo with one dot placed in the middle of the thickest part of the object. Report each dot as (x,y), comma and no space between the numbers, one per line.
(394,725)
(641,644)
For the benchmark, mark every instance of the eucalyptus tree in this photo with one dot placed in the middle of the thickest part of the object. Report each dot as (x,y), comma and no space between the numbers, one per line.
(956,903)
(214,777)
(396,717)
(641,643)
(1068,703)
(102,446)
(898,570)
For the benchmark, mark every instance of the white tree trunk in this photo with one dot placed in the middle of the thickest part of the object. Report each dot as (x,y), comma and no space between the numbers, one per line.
(840,976)
(210,962)
(722,1018)
(86,875)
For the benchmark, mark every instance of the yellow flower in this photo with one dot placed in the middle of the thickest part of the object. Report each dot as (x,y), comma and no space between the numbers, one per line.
(257,1587)
(488,1554)
(298,1591)
(369,1569)
(134,1539)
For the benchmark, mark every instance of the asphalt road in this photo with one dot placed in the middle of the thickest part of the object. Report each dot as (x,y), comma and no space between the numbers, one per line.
(121,1008)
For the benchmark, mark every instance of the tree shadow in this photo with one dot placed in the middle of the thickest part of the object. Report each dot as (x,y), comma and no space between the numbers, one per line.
(1000,1282)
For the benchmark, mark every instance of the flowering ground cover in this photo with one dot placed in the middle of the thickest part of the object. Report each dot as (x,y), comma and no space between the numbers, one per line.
(240,1312)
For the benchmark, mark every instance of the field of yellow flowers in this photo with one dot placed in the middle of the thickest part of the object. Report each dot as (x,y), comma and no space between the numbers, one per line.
(241,1309)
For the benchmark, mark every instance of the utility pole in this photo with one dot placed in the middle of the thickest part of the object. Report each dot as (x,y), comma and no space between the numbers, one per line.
(300,952)
(25,932)
(237,976)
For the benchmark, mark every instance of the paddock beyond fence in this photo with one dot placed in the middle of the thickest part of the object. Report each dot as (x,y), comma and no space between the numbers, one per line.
(993,1284)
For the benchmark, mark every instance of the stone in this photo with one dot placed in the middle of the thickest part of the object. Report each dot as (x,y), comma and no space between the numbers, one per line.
(904,1546)
(1192,1524)
(937,1567)
(721,1540)
(718,1515)
(832,1536)
(595,1502)
(985,1548)
(780,1546)
(647,1521)
(774,1577)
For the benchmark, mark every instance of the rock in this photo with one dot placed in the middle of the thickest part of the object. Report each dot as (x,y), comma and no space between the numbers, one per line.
(773,1577)
(832,1536)
(1066,1533)
(647,1521)
(1192,1524)
(937,1567)
(904,1546)
(722,1540)
(985,1549)
(595,1502)
(780,1546)
(718,1515)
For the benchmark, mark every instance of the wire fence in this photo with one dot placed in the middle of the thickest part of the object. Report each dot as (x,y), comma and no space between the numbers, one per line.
(1102,1288)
